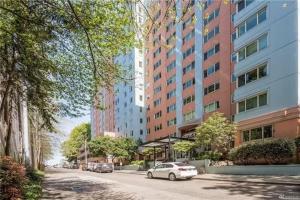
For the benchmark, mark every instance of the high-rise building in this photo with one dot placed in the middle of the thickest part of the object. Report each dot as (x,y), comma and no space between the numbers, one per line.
(124,104)
(188,66)
(267,69)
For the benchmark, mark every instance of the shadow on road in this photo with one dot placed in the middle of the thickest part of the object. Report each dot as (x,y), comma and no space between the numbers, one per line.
(80,190)
(260,191)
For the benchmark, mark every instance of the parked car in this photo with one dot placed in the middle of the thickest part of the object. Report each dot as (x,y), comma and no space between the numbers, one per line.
(103,167)
(90,166)
(172,171)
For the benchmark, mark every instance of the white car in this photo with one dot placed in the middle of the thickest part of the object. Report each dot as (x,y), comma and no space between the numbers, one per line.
(172,171)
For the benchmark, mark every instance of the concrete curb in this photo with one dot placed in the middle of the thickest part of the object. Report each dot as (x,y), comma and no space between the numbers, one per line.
(224,180)
(249,181)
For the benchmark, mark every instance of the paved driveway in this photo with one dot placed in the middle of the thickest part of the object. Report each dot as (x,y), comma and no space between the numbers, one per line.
(78,185)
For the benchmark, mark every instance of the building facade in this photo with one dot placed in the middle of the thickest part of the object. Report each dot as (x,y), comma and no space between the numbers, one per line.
(188,67)
(124,104)
(267,69)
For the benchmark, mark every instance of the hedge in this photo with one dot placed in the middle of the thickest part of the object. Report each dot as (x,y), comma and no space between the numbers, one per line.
(270,151)
(297,142)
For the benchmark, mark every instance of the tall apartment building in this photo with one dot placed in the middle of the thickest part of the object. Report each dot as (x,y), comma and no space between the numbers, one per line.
(125,103)
(188,66)
(103,120)
(267,69)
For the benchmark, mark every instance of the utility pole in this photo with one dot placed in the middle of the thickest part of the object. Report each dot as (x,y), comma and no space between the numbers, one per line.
(85,152)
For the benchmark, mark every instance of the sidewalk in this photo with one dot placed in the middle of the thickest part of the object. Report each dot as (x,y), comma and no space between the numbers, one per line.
(278,180)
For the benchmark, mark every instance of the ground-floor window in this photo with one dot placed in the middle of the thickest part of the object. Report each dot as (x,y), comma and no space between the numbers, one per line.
(257,133)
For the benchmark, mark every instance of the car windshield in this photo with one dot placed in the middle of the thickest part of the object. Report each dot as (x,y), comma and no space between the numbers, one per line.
(181,164)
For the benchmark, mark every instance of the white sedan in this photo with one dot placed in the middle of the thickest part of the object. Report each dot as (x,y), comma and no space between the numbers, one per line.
(172,171)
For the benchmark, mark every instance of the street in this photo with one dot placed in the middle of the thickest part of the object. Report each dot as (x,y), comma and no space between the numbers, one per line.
(76,184)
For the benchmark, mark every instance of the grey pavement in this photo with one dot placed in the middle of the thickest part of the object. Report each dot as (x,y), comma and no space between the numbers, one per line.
(285,180)
(76,184)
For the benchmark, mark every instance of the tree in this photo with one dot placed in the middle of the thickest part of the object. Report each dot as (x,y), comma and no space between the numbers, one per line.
(78,136)
(183,146)
(56,54)
(216,131)
(121,148)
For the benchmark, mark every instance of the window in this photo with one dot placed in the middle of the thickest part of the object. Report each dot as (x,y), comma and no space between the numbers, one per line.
(141,120)
(171,38)
(141,132)
(211,88)
(207,3)
(211,51)
(157,77)
(157,89)
(157,64)
(171,108)
(212,107)
(141,98)
(187,22)
(188,37)
(253,102)
(257,133)
(211,16)
(211,70)
(189,116)
(157,52)
(140,64)
(171,52)
(157,115)
(170,25)
(157,102)
(148,131)
(157,15)
(171,94)
(188,99)
(171,122)
(188,84)
(252,75)
(157,127)
(189,67)
(243,4)
(211,34)
(258,45)
(171,66)
(189,52)
(171,80)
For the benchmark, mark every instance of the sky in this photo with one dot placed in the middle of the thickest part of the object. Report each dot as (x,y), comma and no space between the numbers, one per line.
(65,126)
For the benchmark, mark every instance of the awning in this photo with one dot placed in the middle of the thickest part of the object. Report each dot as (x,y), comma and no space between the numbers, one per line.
(164,141)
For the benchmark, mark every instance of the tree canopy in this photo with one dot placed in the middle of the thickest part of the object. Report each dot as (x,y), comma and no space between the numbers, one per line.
(216,131)
(121,148)
(183,146)
(78,136)
(56,54)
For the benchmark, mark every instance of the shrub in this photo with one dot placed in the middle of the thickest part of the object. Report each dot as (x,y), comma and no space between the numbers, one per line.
(137,162)
(12,177)
(272,151)
(32,189)
(212,155)
(297,142)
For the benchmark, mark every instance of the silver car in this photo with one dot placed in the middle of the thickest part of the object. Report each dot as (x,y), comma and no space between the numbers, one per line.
(172,171)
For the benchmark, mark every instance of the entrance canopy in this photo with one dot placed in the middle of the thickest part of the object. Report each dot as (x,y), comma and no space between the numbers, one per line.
(164,141)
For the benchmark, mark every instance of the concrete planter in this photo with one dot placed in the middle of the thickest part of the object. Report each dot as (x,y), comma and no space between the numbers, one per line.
(279,170)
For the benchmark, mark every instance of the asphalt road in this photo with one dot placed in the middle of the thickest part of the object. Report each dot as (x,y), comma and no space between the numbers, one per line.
(79,185)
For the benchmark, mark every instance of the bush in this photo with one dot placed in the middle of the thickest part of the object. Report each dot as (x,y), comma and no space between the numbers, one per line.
(211,155)
(137,162)
(12,177)
(16,182)
(32,189)
(297,142)
(272,151)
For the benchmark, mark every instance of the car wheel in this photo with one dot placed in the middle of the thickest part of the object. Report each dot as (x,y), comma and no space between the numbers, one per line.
(189,178)
(172,177)
(149,175)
